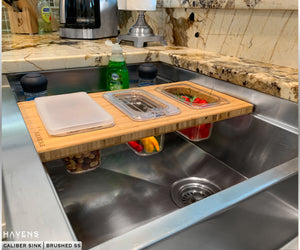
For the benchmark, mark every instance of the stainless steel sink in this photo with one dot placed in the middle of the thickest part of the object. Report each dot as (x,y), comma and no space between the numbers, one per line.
(129,190)
(236,190)
(103,204)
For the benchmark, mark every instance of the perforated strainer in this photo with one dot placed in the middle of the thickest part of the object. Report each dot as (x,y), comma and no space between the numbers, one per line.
(189,190)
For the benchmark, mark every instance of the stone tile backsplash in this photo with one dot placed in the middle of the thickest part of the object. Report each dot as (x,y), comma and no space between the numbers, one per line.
(265,35)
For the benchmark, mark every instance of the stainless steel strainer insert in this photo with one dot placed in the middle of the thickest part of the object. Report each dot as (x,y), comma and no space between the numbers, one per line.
(140,105)
(189,190)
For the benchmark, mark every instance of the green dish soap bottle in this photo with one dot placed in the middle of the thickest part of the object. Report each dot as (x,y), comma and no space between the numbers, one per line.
(117,74)
(44,17)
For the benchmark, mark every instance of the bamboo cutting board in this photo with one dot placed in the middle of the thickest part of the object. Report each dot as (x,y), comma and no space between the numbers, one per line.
(125,129)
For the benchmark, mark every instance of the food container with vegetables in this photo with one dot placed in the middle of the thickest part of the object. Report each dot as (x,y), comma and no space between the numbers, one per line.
(192,96)
(83,162)
(148,145)
(195,98)
(197,133)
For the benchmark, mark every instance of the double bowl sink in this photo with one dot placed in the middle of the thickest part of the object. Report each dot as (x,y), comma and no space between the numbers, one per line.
(217,192)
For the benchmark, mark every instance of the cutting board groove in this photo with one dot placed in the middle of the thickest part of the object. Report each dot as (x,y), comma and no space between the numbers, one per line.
(53,147)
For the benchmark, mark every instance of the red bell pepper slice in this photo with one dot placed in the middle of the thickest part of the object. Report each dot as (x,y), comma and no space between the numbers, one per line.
(136,146)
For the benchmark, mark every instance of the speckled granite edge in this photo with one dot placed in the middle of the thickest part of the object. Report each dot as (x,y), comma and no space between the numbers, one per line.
(267,78)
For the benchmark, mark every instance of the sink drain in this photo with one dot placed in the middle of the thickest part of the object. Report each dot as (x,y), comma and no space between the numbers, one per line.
(189,190)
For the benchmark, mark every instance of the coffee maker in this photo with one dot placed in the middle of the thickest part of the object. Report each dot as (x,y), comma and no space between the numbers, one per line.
(88,19)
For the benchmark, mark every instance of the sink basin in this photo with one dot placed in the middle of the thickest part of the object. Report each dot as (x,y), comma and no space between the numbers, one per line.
(129,190)
(235,190)
(103,204)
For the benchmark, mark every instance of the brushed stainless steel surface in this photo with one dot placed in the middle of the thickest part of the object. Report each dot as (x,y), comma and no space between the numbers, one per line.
(261,222)
(250,145)
(179,159)
(120,193)
(139,41)
(31,201)
(109,23)
(258,211)
(62,11)
(4,214)
(103,204)
(175,223)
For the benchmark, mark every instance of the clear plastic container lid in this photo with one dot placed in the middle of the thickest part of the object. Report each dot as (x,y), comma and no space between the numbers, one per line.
(187,95)
(140,105)
(71,113)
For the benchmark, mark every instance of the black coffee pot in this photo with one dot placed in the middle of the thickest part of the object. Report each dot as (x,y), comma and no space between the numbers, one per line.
(85,19)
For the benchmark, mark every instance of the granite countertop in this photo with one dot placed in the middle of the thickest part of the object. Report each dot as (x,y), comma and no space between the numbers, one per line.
(24,53)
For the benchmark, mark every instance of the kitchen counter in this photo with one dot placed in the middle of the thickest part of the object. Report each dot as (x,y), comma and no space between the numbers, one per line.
(24,53)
